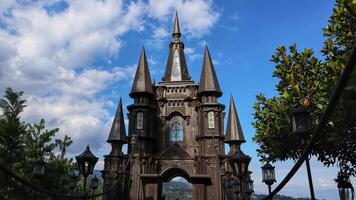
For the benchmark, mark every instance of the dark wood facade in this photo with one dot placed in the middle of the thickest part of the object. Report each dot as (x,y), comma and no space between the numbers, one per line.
(176,128)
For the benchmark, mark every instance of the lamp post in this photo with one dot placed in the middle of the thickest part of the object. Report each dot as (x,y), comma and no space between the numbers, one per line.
(268,175)
(94,184)
(86,162)
(346,191)
(239,163)
(301,126)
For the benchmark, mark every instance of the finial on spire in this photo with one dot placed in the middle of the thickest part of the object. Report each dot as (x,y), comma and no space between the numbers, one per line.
(176,29)
(234,134)
(142,82)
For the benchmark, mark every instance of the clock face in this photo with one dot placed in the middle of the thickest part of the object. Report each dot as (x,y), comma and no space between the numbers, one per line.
(176,74)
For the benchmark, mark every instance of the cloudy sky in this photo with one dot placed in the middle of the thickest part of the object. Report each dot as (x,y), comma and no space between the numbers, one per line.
(75,58)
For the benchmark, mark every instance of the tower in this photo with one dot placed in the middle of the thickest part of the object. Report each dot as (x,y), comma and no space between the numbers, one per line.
(115,162)
(176,128)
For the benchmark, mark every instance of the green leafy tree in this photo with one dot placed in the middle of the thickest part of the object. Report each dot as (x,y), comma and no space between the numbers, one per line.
(21,145)
(307,80)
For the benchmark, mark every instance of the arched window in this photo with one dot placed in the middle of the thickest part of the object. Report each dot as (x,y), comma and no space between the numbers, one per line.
(211,119)
(176,132)
(139,120)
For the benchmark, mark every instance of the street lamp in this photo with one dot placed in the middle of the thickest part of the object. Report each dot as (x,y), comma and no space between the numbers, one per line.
(346,191)
(86,162)
(239,163)
(94,184)
(268,175)
(231,185)
(301,126)
(301,121)
(39,167)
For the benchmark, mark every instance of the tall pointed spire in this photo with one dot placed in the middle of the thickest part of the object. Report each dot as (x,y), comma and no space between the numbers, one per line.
(234,134)
(176,29)
(208,80)
(117,132)
(176,69)
(142,82)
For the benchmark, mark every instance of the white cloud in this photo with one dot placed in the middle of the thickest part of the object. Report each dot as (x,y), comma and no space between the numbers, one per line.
(49,54)
(326,183)
(192,54)
(196,17)
(160,33)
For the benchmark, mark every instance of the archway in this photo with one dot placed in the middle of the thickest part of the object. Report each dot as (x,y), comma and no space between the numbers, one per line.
(177,188)
(176,184)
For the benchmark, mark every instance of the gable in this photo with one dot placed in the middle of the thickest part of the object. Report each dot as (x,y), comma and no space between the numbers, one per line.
(175,152)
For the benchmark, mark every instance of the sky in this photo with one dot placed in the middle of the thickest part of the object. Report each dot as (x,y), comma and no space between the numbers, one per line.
(75,58)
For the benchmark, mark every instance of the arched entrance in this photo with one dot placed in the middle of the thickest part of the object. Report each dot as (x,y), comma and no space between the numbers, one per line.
(153,184)
(176,184)
(177,188)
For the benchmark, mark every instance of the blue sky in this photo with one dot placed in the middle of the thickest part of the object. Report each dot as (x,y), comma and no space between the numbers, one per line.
(74,59)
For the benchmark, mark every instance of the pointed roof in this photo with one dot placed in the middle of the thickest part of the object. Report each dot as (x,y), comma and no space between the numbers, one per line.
(142,82)
(234,132)
(208,79)
(176,28)
(176,63)
(117,131)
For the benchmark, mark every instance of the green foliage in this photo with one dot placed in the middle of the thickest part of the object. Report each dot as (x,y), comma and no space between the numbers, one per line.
(177,190)
(304,77)
(21,145)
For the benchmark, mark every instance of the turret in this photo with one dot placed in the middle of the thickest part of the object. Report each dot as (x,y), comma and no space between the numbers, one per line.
(117,136)
(234,135)
(176,69)
(142,84)
(209,85)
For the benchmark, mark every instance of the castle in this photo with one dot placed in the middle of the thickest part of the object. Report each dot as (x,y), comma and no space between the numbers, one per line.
(176,128)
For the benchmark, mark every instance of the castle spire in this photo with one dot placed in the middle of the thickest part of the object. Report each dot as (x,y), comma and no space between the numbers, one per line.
(176,69)
(234,134)
(208,80)
(117,132)
(176,29)
(142,82)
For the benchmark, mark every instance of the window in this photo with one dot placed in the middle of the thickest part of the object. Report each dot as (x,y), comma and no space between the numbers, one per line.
(139,120)
(176,129)
(211,119)
(176,74)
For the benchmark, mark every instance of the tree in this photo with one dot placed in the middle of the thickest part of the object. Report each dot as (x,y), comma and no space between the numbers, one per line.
(306,79)
(21,145)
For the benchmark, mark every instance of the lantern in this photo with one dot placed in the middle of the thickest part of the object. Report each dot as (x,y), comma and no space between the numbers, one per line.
(300,121)
(346,191)
(268,175)
(239,162)
(86,162)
